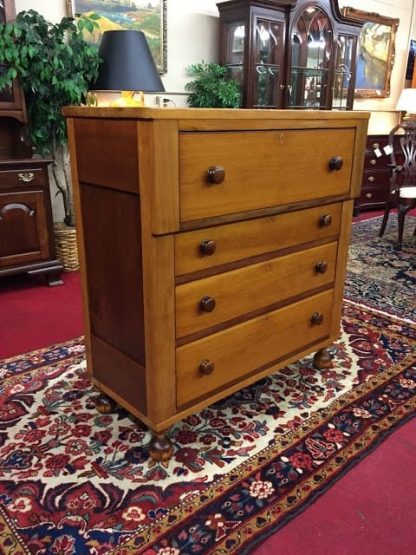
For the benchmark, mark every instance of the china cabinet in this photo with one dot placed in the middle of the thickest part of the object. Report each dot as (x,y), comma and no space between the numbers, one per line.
(290,53)
(26,233)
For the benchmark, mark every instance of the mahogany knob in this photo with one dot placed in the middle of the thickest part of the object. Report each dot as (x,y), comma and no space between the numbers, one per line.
(317,318)
(321,267)
(207,247)
(206,367)
(216,174)
(325,220)
(335,163)
(207,304)
(371,178)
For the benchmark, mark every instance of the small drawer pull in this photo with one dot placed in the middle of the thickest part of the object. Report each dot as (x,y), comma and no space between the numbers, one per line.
(207,304)
(206,367)
(321,267)
(215,175)
(317,318)
(375,145)
(371,178)
(26,177)
(325,220)
(369,195)
(373,161)
(207,247)
(335,163)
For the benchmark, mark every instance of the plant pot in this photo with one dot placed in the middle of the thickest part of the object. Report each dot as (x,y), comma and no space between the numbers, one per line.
(66,246)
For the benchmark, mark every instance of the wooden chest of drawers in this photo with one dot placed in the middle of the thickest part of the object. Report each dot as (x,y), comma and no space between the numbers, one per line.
(213,247)
(376,174)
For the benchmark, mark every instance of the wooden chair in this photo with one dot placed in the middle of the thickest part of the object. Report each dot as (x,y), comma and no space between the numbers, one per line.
(403,179)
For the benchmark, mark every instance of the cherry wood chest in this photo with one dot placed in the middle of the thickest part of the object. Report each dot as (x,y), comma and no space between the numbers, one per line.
(213,246)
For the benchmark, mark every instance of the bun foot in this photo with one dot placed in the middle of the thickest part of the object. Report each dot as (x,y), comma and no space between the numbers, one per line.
(160,450)
(104,404)
(322,360)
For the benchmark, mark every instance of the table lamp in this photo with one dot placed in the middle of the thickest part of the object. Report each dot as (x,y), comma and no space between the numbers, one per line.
(407,103)
(128,67)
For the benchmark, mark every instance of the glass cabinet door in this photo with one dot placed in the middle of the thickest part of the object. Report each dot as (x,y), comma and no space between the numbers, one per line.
(235,44)
(268,61)
(311,46)
(343,89)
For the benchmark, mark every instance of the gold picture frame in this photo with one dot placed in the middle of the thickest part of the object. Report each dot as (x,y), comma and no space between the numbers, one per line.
(376,52)
(149,16)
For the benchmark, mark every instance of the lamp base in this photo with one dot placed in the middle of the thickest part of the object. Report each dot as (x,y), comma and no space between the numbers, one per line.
(128,99)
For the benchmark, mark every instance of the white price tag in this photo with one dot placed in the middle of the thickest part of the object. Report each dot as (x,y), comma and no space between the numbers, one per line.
(388,149)
(377,152)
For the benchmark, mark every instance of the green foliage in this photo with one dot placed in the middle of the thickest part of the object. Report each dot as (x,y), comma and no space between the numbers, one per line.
(212,88)
(54,65)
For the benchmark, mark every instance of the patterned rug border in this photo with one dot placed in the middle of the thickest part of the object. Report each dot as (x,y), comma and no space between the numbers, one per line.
(253,464)
(42,350)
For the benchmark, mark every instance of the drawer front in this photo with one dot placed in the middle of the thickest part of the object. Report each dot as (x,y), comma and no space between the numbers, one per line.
(261,169)
(207,302)
(13,179)
(234,352)
(374,195)
(208,248)
(372,178)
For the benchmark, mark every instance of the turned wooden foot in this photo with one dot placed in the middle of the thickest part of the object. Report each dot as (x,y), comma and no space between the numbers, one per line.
(104,404)
(160,449)
(322,359)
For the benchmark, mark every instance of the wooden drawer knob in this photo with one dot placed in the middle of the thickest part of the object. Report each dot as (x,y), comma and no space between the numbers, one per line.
(207,247)
(207,304)
(375,145)
(317,318)
(371,178)
(325,220)
(369,195)
(321,267)
(206,367)
(335,163)
(373,161)
(216,174)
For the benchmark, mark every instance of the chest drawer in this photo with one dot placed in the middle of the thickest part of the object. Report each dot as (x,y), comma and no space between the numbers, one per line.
(215,246)
(219,359)
(372,178)
(207,302)
(231,172)
(12,179)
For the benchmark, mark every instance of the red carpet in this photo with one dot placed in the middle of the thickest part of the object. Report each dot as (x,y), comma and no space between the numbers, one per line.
(34,315)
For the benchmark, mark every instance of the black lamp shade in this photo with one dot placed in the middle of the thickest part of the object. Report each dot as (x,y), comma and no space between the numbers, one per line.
(128,64)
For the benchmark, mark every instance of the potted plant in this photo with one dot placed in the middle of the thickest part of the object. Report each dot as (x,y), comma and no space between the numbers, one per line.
(55,65)
(212,88)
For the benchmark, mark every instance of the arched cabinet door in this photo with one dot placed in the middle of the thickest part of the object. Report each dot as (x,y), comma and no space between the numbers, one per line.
(22,219)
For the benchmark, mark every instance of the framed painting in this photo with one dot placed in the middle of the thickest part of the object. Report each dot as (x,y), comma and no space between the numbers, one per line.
(148,16)
(375,53)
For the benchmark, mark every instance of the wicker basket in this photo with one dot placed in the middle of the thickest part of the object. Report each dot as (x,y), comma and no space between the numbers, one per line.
(66,246)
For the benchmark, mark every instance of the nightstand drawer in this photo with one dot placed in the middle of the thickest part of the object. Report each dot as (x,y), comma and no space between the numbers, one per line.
(201,250)
(231,172)
(372,178)
(206,365)
(207,302)
(12,179)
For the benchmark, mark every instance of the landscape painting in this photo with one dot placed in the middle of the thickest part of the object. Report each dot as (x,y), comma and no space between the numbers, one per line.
(375,53)
(148,16)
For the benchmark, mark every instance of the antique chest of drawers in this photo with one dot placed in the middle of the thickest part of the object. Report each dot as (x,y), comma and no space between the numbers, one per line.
(376,174)
(213,247)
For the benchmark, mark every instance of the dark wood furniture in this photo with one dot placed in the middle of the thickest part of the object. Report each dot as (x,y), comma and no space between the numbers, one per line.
(26,232)
(229,255)
(290,53)
(376,175)
(402,190)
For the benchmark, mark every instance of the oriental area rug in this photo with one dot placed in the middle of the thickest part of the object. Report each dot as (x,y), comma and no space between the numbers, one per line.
(73,481)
